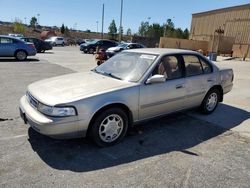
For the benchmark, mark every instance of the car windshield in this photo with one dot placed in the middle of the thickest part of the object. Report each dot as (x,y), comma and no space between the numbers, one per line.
(129,66)
(93,42)
(123,45)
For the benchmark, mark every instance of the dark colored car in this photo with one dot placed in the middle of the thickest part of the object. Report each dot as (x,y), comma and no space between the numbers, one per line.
(123,46)
(102,44)
(13,47)
(41,46)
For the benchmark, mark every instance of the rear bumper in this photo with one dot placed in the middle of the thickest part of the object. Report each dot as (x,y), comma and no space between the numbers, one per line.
(60,128)
(31,52)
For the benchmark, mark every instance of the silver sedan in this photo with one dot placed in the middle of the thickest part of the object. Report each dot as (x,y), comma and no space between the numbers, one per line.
(131,87)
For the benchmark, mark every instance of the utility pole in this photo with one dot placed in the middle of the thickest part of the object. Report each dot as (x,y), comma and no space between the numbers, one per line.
(102,18)
(120,36)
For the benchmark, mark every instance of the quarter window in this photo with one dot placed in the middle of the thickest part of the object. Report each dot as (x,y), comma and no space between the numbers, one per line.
(192,65)
(206,67)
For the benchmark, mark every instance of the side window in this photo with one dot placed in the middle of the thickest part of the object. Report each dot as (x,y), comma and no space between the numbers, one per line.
(99,43)
(6,41)
(192,65)
(206,67)
(169,67)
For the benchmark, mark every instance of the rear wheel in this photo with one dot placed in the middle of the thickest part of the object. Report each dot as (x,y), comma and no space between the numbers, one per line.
(210,101)
(21,55)
(109,127)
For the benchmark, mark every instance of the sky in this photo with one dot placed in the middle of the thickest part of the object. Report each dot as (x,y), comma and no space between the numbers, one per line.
(84,14)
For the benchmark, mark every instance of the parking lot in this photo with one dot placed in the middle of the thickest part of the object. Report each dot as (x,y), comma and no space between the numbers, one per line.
(181,150)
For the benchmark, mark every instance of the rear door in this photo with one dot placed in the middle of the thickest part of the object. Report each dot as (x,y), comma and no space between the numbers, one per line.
(197,75)
(7,46)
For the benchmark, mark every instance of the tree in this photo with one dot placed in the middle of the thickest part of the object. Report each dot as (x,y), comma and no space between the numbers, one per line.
(33,22)
(143,29)
(178,33)
(155,30)
(63,29)
(129,32)
(18,26)
(66,31)
(169,28)
(186,34)
(112,29)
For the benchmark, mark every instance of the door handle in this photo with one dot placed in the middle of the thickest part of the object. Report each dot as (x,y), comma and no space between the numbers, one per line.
(179,86)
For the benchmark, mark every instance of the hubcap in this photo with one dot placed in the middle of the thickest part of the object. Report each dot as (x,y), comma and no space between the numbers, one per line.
(21,55)
(111,128)
(211,101)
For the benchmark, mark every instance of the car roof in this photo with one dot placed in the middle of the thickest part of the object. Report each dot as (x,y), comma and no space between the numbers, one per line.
(162,51)
(6,36)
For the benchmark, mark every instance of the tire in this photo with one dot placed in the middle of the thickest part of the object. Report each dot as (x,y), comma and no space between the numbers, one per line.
(54,44)
(63,44)
(210,101)
(109,127)
(91,50)
(21,55)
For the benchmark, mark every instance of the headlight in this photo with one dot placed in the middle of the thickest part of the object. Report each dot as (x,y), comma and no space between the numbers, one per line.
(56,111)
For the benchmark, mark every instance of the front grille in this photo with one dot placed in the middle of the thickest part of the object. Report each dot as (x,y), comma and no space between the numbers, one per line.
(33,102)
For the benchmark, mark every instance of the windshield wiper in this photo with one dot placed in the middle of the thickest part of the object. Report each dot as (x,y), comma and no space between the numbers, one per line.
(113,76)
(106,74)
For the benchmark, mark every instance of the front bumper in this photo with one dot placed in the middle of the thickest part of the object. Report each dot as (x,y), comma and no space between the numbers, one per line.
(56,127)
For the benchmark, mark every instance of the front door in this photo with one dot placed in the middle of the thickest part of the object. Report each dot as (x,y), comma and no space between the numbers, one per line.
(162,98)
(197,75)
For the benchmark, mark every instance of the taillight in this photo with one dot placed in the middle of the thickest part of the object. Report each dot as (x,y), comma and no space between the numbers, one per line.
(31,45)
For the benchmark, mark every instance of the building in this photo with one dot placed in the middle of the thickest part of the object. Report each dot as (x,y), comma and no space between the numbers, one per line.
(224,27)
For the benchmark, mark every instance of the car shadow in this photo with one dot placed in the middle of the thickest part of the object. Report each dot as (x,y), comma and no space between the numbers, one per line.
(14,60)
(225,116)
(177,132)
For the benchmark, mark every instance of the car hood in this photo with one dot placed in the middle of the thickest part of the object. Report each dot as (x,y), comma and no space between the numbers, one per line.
(72,87)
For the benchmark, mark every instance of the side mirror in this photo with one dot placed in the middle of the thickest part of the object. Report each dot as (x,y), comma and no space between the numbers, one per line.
(156,79)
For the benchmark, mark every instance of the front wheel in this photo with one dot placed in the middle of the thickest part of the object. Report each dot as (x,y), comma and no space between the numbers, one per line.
(210,101)
(91,50)
(109,127)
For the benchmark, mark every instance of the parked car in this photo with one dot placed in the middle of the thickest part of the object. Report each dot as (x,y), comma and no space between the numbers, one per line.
(133,86)
(123,46)
(13,47)
(41,46)
(56,41)
(90,47)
